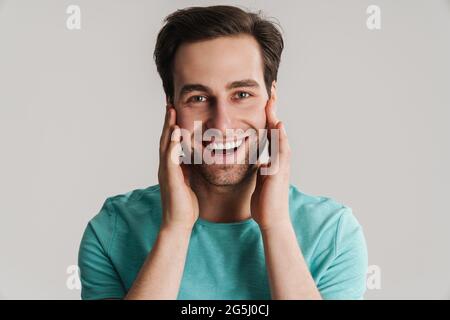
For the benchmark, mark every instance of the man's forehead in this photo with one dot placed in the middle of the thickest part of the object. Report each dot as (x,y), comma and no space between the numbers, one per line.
(237,45)
(220,60)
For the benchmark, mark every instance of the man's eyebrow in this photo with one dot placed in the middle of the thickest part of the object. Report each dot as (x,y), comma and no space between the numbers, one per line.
(193,87)
(246,83)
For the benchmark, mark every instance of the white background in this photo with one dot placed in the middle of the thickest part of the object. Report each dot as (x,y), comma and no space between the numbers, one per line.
(367,113)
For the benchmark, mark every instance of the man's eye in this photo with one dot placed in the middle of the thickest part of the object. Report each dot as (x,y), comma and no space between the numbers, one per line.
(196,99)
(242,95)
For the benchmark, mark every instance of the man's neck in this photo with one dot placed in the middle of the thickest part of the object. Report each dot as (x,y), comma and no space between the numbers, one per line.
(224,203)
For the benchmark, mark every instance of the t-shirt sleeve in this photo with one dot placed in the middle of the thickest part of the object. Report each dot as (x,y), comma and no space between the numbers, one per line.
(99,279)
(345,278)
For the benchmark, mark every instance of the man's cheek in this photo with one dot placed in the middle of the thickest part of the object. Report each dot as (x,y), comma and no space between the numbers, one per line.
(259,117)
(184,120)
(255,112)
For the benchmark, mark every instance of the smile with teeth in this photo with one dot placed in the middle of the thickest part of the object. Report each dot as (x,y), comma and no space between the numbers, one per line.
(225,147)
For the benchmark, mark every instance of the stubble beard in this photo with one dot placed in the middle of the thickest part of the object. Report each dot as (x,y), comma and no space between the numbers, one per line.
(226,175)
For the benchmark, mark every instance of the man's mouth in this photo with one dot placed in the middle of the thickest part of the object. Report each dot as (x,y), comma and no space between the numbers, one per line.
(225,147)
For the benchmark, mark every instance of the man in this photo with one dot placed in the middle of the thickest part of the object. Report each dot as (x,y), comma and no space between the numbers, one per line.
(221,230)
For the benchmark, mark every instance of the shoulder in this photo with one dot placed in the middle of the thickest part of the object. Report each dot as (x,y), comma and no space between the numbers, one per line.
(127,211)
(333,244)
(317,209)
(126,217)
(138,197)
(321,221)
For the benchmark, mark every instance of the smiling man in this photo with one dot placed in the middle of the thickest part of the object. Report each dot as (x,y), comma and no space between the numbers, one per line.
(222,229)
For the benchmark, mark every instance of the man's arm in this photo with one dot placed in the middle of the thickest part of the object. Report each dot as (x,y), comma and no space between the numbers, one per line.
(289,276)
(160,276)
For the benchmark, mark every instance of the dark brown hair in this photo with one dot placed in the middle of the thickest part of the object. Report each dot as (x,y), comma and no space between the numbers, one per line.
(203,23)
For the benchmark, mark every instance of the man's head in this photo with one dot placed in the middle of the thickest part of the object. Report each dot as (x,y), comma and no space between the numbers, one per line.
(219,66)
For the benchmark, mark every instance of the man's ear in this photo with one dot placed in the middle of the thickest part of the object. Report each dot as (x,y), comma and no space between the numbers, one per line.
(273,94)
(168,102)
(273,90)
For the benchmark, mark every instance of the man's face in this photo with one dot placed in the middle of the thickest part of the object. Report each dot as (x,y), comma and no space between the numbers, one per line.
(220,83)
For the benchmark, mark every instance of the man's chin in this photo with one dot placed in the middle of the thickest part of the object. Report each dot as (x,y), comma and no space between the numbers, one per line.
(224,174)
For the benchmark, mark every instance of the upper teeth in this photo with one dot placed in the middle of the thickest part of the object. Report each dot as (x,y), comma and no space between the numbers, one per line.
(226,146)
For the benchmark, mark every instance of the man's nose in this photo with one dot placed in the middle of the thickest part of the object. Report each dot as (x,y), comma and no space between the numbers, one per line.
(220,117)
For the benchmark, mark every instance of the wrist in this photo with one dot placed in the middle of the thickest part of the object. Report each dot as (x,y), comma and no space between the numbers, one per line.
(280,226)
(176,228)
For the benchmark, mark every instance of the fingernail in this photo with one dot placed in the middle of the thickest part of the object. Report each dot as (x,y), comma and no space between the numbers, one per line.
(176,134)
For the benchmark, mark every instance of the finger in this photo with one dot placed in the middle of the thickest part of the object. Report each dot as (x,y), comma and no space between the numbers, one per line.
(284,148)
(260,177)
(186,174)
(279,150)
(169,122)
(272,119)
(186,145)
(174,148)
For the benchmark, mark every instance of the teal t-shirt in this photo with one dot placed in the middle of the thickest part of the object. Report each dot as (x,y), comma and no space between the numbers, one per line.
(224,260)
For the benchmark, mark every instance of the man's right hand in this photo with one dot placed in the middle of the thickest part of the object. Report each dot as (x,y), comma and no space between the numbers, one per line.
(161,274)
(179,202)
